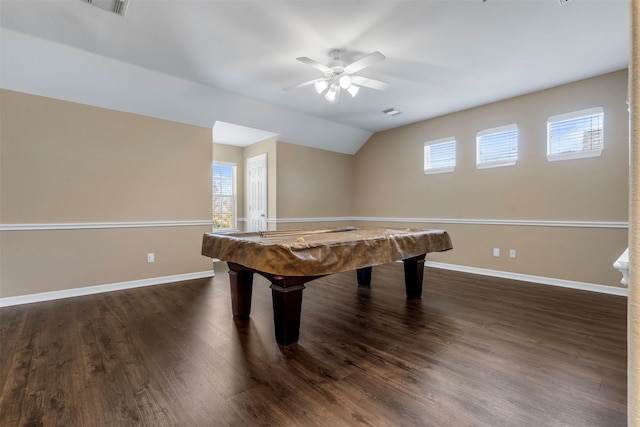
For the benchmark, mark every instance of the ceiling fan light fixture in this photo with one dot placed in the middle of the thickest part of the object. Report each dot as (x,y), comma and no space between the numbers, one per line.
(345,82)
(353,90)
(321,86)
(331,95)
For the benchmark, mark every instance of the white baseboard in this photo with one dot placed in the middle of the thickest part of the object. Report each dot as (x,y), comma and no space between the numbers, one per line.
(89,290)
(612,290)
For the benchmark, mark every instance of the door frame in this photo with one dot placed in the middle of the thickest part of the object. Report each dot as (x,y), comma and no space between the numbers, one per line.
(261,158)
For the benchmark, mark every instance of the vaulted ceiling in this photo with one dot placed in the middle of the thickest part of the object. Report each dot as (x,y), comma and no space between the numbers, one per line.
(202,62)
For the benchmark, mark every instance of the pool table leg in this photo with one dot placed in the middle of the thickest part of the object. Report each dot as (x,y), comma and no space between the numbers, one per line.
(287,305)
(364,276)
(413,274)
(241,284)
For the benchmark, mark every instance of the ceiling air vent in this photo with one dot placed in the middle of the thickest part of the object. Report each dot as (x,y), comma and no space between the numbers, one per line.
(391,112)
(115,6)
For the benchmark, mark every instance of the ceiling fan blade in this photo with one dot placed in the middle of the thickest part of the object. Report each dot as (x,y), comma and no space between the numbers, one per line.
(303,84)
(370,83)
(315,64)
(363,62)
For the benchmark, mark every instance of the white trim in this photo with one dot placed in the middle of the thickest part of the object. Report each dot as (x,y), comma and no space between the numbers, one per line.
(574,155)
(594,111)
(514,222)
(466,221)
(93,225)
(486,164)
(440,169)
(90,290)
(497,129)
(322,219)
(443,169)
(440,141)
(496,164)
(250,191)
(584,286)
(234,184)
(574,115)
(223,163)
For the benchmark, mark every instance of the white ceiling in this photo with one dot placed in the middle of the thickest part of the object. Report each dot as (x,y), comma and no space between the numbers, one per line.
(199,62)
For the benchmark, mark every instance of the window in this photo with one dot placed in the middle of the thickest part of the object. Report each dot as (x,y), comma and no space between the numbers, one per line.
(440,155)
(497,147)
(224,195)
(575,135)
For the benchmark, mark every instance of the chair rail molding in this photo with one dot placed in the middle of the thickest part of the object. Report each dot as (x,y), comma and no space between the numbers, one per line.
(466,221)
(94,225)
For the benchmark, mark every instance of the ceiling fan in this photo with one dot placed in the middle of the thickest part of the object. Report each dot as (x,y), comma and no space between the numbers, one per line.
(340,76)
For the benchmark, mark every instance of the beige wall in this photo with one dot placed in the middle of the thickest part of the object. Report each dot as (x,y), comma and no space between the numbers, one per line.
(69,163)
(390,183)
(66,162)
(74,164)
(313,183)
(303,183)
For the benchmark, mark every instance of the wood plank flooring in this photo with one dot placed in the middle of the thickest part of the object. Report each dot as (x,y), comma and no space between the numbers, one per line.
(474,351)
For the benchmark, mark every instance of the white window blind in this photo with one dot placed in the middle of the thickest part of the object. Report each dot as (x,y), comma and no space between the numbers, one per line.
(497,146)
(575,135)
(224,195)
(440,155)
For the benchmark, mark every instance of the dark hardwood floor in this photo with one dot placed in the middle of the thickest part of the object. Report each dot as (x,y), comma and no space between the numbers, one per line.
(474,351)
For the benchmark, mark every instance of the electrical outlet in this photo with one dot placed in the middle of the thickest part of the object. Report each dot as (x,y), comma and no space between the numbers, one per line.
(512,253)
(496,252)
(151,257)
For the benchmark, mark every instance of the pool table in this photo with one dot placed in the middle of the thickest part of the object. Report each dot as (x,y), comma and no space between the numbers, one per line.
(291,258)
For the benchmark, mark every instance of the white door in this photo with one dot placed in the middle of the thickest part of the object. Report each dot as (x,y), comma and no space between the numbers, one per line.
(257,193)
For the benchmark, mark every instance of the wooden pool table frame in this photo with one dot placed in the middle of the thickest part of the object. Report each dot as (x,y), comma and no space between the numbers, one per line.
(286,293)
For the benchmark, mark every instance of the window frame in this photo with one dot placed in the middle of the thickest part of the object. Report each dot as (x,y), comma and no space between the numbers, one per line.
(233,197)
(566,117)
(440,169)
(492,131)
